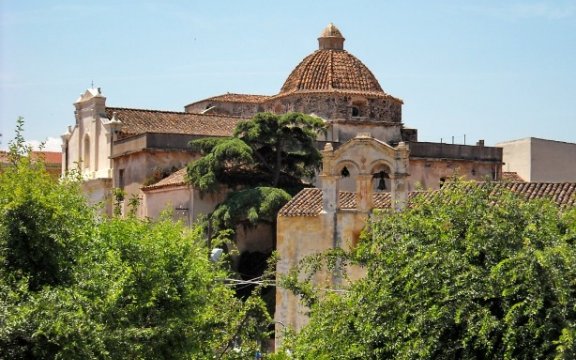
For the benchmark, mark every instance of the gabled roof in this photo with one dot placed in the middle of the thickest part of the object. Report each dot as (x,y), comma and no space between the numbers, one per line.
(177,178)
(49,157)
(240,98)
(89,94)
(139,121)
(308,202)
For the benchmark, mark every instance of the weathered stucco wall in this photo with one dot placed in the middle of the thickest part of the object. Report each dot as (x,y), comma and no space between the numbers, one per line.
(338,107)
(540,160)
(239,109)
(133,171)
(298,237)
(97,191)
(176,199)
(431,173)
(301,236)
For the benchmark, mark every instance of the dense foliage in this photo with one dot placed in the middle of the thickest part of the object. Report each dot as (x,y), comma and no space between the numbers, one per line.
(266,160)
(469,273)
(74,285)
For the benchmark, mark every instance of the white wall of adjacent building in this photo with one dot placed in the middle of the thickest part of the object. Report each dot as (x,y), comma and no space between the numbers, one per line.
(540,160)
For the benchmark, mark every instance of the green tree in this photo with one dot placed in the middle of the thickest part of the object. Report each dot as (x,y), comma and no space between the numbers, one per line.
(470,273)
(74,285)
(267,159)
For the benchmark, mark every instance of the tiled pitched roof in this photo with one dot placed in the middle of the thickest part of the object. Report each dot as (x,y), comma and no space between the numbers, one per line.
(511,176)
(308,202)
(330,69)
(138,121)
(177,178)
(377,94)
(242,98)
(50,157)
(563,194)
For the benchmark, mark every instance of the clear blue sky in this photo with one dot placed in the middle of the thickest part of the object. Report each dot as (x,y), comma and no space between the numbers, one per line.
(493,70)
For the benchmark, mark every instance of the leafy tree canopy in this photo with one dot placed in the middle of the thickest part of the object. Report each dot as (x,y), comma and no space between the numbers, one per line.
(468,274)
(268,150)
(252,205)
(266,160)
(74,285)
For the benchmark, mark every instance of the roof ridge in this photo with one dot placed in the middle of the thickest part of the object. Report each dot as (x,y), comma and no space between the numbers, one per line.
(173,112)
(308,202)
(146,110)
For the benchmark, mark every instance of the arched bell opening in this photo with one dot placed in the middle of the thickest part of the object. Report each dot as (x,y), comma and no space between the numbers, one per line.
(347,173)
(381,181)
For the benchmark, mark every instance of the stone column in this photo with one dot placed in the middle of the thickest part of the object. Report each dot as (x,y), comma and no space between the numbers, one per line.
(364,202)
(399,191)
(329,181)
(65,151)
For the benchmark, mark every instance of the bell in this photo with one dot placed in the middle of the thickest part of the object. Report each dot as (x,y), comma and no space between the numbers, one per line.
(382,184)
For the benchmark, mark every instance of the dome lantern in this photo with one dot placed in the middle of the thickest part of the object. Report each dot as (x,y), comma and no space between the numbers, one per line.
(331,39)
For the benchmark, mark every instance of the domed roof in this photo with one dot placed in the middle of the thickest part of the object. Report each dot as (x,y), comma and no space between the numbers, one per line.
(331,68)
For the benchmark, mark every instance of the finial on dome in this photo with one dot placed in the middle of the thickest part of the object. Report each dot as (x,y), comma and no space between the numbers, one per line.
(331,38)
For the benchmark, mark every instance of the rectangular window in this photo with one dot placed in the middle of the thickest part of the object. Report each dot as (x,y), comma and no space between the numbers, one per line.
(121,178)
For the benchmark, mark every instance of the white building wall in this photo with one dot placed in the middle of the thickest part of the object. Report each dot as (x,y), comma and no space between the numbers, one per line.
(553,161)
(540,160)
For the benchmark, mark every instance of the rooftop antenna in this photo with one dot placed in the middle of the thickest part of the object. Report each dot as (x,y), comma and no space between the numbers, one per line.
(92,87)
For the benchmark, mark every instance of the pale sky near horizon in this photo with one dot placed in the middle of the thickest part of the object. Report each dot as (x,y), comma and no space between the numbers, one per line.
(493,70)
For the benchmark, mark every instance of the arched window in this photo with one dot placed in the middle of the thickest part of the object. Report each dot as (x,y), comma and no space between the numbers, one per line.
(348,176)
(86,158)
(380,179)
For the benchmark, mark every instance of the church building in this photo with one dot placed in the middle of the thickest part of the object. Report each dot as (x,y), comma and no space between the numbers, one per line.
(134,149)
(370,158)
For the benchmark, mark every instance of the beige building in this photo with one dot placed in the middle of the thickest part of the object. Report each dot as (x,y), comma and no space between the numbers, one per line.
(535,159)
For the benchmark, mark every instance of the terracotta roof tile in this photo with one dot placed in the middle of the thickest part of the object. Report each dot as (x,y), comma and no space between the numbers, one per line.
(50,157)
(562,193)
(308,202)
(138,121)
(242,98)
(511,176)
(377,94)
(329,69)
(177,178)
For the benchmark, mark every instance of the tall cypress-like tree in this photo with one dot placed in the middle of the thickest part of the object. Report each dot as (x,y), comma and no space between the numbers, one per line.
(269,158)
